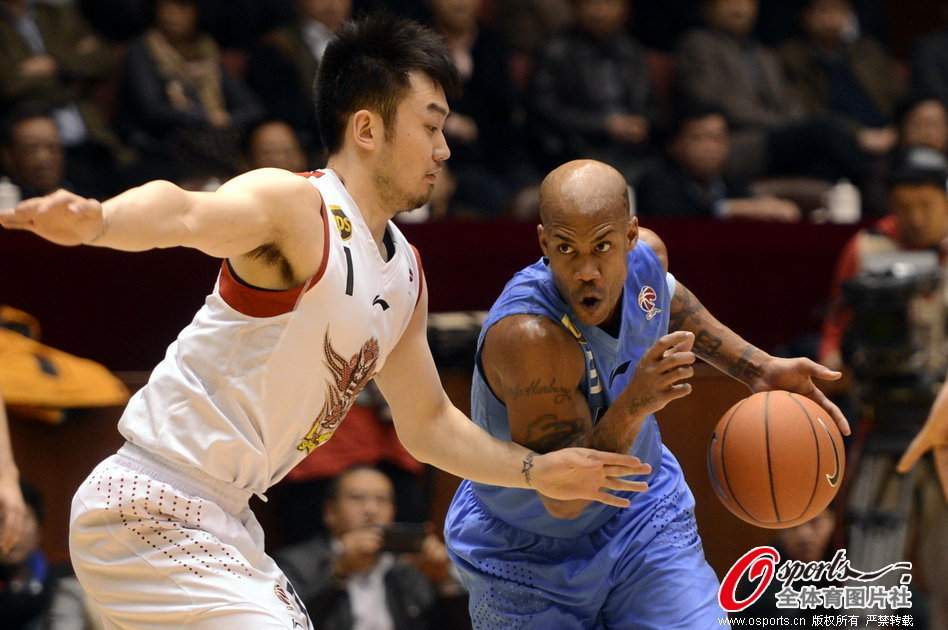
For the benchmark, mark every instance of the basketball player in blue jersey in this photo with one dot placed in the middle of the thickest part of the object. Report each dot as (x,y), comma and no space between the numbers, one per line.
(577,351)
(318,292)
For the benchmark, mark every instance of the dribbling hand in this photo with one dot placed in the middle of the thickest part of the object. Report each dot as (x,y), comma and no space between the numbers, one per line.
(62,217)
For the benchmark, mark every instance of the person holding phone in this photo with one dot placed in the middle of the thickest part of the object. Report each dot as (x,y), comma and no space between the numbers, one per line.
(371,571)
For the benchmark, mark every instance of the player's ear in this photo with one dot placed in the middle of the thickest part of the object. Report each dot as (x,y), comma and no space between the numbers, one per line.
(633,234)
(366,129)
(541,235)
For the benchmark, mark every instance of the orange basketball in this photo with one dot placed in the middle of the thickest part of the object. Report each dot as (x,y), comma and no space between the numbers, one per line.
(776,459)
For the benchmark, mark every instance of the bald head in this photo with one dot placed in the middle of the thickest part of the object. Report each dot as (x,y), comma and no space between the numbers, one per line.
(581,189)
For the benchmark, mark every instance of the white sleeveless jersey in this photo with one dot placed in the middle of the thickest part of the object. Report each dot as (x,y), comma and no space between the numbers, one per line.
(261,378)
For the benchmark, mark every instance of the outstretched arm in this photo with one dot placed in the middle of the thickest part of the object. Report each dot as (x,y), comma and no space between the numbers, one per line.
(12,508)
(435,431)
(729,352)
(264,208)
(933,436)
(535,367)
(720,346)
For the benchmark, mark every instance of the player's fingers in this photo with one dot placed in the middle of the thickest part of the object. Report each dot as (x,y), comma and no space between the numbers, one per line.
(625,484)
(915,450)
(835,413)
(673,359)
(679,390)
(672,376)
(624,471)
(609,499)
(821,371)
(605,458)
(660,347)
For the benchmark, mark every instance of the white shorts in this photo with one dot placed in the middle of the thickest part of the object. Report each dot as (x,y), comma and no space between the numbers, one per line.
(159,545)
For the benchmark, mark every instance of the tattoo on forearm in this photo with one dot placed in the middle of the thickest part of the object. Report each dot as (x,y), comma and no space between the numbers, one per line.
(637,403)
(550,432)
(102,230)
(743,368)
(684,306)
(707,346)
(536,388)
(527,467)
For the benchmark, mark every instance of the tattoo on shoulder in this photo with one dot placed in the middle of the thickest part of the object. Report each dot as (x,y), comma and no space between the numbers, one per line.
(536,388)
(549,432)
(527,467)
(684,306)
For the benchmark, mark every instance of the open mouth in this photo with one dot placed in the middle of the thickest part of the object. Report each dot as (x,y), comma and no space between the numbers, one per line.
(590,302)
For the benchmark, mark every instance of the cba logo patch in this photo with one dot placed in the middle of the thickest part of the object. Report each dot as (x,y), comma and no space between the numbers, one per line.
(343,223)
(647,297)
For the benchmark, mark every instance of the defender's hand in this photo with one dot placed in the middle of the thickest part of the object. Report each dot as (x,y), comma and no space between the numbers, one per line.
(796,375)
(583,473)
(933,437)
(658,377)
(62,217)
(12,514)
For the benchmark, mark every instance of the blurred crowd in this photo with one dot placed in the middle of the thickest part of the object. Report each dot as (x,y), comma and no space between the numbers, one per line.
(724,108)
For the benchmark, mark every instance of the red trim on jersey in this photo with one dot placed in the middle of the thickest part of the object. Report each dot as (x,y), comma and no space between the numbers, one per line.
(421,274)
(257,302)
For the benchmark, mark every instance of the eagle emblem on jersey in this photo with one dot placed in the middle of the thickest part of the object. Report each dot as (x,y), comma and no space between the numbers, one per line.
(349,376)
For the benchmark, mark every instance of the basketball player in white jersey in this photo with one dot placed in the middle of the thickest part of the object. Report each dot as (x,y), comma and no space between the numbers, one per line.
(318,293)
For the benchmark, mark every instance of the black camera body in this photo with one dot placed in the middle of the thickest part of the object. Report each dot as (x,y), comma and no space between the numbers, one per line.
(896,343)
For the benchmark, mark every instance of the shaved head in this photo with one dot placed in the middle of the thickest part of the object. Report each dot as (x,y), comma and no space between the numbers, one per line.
(581,189)
(586,234)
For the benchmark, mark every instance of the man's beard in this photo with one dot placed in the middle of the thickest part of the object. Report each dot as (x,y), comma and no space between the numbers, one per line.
(396,200)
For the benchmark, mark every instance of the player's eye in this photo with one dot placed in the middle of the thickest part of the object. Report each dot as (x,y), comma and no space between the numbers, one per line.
(563,248)
(603,246)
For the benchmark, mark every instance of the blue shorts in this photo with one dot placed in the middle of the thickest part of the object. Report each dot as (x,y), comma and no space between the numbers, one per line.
(643,569)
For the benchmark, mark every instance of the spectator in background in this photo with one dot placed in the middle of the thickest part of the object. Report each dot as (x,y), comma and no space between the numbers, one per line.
(724,65)
(591,95)
(31,152)
(349,580)
(923,122)
(273,143)
(808,542)
(365,438)
(918,220)
(282,68)
(180,105)
(480,130)
(837,73)
(930,64)
(692,183)
(526,26)
(49,54)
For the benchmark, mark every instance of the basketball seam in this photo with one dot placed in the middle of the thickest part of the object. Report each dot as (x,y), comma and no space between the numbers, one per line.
(770,468)
(724,467)
(816,438)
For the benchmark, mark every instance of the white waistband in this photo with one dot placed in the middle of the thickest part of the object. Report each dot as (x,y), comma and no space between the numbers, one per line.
(183,477)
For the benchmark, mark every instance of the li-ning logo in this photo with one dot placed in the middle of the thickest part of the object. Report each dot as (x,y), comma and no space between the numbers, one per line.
(647,298)
(762,565)
(343,223)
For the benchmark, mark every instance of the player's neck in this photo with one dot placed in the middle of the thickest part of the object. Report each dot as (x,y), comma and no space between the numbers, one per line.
(361,186)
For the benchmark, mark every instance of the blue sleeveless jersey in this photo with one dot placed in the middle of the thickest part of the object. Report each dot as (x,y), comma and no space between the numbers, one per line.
(610,364)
